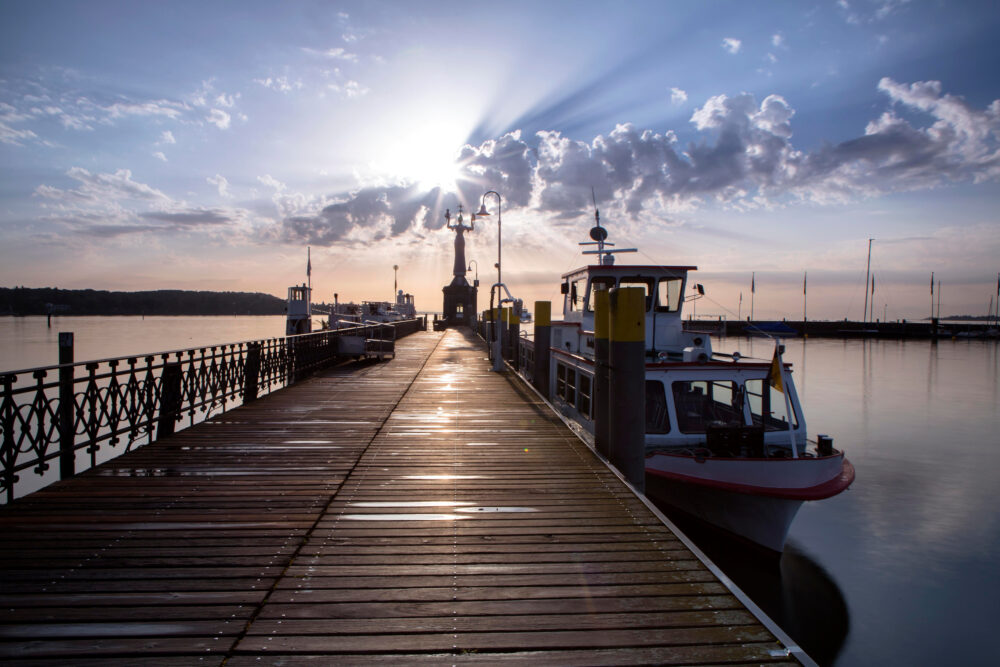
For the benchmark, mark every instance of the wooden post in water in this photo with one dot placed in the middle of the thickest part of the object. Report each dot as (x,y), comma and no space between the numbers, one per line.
(170,398)
(543,341)
(601,402)
(627,352)
(67,435)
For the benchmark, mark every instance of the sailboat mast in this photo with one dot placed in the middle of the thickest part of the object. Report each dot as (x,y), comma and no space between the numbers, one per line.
(868,272)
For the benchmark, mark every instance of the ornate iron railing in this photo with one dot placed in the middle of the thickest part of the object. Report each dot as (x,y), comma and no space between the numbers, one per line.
(82,413)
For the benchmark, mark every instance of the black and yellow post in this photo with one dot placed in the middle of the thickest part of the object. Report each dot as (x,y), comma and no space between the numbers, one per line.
(601,402)
(628,383)
(543,340)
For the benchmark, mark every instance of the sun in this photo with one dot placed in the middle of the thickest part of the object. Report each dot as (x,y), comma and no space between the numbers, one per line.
(424,152)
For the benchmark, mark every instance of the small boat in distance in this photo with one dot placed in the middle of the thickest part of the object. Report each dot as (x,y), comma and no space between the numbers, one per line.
(298,310)
(725,436)
(353,314)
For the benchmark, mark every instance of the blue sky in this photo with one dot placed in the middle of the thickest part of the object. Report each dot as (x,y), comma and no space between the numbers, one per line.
(205,145)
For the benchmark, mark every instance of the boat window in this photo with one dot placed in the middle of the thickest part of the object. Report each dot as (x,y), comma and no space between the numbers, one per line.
(668,295)
(583,394)
(707,403)
(600,282)
(767,406)
(576,293)
(657,417)
(645,283)
(566,383)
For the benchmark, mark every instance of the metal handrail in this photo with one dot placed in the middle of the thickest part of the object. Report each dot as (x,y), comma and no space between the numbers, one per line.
(121,403)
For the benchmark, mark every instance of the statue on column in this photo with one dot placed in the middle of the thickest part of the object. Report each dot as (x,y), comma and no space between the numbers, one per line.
(460,228)
(459,295)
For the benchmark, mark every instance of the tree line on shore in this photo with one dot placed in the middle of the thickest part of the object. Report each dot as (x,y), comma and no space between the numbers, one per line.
(55,301)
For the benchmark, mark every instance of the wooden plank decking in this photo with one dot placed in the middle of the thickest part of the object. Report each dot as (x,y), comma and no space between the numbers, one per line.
(423,510)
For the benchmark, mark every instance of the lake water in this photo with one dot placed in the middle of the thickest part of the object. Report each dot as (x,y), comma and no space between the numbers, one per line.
(26,342)
(903,568)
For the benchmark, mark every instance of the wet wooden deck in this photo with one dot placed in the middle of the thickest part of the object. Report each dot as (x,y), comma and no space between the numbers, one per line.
(423,510)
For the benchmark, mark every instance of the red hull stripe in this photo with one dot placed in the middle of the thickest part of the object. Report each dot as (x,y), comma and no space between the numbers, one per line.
(819,492)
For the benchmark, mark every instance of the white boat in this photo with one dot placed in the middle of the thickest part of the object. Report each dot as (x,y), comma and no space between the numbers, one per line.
(725,436)
(367,312)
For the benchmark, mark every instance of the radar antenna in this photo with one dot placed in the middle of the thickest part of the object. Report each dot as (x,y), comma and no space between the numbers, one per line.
(599,235)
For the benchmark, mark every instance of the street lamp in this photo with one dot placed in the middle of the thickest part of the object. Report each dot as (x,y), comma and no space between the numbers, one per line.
(484,212)
(471,262)
(395,282)
(497,361)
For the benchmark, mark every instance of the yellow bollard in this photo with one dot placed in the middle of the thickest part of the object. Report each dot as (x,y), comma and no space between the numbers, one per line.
(627,383)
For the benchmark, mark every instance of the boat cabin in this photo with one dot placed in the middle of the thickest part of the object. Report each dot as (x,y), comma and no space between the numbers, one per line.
(299,310)
(664,287)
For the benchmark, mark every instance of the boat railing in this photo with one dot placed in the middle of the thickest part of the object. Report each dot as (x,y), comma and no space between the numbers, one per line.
(80,414)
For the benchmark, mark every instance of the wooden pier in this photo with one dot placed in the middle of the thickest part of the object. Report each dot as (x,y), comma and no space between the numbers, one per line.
(420,511)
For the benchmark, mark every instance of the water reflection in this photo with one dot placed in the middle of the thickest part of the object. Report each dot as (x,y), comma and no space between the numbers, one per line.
(913,545)
(792,588)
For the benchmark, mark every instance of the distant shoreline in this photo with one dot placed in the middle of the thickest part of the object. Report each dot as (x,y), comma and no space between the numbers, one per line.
(25,301)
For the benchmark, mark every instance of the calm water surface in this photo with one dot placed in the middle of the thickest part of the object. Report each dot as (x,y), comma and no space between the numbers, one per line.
(26,342)
(903,568)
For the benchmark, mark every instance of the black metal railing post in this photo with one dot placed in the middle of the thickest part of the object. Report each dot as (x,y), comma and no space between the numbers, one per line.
(9,447)
(251,372)
(67,435)
(170,399)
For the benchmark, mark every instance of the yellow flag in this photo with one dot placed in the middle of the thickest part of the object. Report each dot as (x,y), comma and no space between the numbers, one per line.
(774,372)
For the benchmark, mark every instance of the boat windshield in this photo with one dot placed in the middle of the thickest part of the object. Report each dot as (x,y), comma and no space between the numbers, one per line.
(707,403)
(668,295)
(600,282)
(767,406)
(645,282)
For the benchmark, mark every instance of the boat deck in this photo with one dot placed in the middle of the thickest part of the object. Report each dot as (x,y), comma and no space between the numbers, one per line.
(423,510)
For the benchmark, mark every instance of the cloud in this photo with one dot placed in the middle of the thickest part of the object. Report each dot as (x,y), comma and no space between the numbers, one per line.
(732,45)
(678,96)
(166,108)
(743,157)
(108,187)
(279,83)
(349,89)
(188,218)
(271,182)
(160,156)
(777,40)
(369,213)
(221,184)
(219,118)
(15,137)
(167,137)
(336,53)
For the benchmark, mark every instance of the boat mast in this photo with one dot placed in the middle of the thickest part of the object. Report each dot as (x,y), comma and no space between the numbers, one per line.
(868,272)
